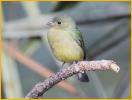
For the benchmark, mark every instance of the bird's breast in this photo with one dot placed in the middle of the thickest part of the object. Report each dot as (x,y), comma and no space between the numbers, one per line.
(64,46)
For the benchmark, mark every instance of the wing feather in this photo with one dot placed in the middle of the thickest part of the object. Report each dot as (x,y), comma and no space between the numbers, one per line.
(77,36)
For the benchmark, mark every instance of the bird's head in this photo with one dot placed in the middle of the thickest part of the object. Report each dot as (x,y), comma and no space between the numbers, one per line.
(62,22)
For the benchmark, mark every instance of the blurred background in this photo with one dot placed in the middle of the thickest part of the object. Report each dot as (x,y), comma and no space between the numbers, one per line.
(27,60)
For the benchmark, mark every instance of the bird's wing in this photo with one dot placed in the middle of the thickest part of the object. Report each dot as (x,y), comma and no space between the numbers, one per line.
(77,36)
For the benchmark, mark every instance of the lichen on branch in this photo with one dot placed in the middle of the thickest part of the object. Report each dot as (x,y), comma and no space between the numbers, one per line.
(40,88)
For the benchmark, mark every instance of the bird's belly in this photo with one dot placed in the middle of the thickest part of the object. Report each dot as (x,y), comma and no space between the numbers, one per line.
(68,51)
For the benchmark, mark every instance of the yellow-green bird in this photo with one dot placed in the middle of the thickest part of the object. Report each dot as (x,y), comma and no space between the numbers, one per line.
(66,42)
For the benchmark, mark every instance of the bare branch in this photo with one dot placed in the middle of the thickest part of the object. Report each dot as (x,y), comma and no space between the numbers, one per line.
(80,67)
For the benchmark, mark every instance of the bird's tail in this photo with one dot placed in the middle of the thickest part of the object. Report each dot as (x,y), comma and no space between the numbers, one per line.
(83,77)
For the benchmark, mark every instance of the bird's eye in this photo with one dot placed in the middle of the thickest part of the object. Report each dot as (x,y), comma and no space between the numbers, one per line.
(59,22)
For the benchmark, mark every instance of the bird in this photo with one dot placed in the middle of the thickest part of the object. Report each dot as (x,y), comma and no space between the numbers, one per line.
(66,42)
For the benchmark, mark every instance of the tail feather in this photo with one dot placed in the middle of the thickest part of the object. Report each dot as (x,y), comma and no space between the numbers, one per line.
(83,77)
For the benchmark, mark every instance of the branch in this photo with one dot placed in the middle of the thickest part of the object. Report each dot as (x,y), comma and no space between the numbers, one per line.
(80,67)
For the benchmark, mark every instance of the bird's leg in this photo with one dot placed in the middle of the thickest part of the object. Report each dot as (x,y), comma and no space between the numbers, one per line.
(62,66)
(75,62)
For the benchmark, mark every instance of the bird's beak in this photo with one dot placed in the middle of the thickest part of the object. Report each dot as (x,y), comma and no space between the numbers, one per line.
(51,23)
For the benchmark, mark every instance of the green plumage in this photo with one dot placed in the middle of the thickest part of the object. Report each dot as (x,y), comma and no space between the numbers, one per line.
(66,41)
(65,46)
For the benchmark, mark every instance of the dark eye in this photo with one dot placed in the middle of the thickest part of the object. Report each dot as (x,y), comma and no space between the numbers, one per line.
(59,22)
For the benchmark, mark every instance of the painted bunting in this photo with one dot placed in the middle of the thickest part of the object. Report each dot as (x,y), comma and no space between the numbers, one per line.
(66,42)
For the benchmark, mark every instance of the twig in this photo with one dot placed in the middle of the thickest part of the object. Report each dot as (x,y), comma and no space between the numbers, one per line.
(80,67)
